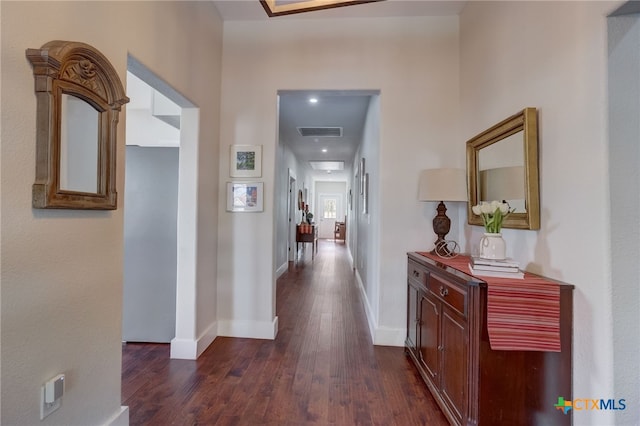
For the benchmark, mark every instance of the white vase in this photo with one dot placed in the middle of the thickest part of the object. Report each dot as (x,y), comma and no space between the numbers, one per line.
(493,246)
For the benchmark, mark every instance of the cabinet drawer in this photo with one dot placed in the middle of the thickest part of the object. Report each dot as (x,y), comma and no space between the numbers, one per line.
(417,274)
(450,293)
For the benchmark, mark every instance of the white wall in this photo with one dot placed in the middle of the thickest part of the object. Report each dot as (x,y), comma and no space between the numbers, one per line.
(624,184)
(287,164)
(553,56)
(150,244)
(367,250)
(62,270)
(414,63)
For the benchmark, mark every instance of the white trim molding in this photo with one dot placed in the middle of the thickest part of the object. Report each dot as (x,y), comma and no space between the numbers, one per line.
(381,336)
(249,329)
(121,418)
(282,269)
(192,349)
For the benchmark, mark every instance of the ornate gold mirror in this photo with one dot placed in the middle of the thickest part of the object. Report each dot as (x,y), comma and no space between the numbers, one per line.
(502,164)
(79,96)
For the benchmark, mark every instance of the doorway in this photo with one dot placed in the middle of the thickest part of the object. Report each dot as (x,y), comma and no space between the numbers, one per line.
(322,138)
(330,207)
(171,202)
(150,215)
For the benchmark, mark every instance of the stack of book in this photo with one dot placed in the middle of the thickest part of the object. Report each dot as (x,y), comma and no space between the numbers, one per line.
(507,268)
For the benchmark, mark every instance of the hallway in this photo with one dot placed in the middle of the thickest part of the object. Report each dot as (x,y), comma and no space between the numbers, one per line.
(321,369)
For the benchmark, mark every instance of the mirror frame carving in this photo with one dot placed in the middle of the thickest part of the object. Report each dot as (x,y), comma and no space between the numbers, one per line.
(77,69)
(526,121)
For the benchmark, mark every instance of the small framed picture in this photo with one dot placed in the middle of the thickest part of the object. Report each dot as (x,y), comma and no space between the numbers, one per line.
(245,161)
(245,196)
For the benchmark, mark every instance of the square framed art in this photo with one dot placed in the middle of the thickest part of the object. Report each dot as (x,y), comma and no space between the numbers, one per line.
(245,196)
(245,161)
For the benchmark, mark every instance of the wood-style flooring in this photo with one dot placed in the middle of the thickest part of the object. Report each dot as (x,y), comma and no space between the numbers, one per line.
(321,369)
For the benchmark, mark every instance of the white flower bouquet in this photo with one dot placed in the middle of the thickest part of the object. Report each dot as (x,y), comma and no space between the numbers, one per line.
(492,214)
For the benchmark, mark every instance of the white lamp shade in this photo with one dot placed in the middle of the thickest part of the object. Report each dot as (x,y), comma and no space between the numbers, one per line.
(446,184)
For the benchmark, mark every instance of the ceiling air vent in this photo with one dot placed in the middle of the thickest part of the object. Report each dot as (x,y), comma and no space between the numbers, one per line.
(321,132)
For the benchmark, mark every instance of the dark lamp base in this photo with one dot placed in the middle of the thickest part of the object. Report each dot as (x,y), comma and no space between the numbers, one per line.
(441,224)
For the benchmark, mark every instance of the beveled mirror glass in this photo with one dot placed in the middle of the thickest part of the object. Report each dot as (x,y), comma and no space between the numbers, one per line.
(79,141)
(502,164)
(79,96)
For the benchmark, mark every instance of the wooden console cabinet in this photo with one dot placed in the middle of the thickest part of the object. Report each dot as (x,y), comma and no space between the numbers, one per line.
(307,234)
(448,341)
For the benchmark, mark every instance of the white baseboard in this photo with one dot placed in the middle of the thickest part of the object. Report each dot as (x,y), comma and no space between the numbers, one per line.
(249,329)
(184,349)
(350,258)
(371,319)
(381,336)
(389,336)
(207,338)
(282,269)
(192,349)
(121,418)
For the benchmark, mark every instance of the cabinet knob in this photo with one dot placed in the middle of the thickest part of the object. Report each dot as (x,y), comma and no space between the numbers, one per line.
(416,273)
(443,291)
(440,348)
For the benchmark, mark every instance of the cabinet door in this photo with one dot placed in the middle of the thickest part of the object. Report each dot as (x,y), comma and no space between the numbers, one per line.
(412,318)
(429,334)
(454,361)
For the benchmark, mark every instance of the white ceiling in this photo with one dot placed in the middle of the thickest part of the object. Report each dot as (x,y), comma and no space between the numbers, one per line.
(346,109)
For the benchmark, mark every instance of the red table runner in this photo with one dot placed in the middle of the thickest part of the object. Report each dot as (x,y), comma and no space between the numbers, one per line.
(522,314)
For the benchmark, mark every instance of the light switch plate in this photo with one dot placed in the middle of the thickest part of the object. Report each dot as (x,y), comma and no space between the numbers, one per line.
(46,408)
(51,391)
(54,389)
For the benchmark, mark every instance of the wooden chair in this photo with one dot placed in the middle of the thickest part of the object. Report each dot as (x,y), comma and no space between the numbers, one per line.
(340,231)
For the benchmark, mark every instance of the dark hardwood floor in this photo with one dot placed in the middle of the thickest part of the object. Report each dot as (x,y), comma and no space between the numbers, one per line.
(321,369)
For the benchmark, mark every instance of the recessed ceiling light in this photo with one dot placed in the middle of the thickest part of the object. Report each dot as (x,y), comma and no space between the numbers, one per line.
(313,100)
(324,149)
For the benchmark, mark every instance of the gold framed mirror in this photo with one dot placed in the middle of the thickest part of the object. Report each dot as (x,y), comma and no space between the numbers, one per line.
(79,96)
(502,164)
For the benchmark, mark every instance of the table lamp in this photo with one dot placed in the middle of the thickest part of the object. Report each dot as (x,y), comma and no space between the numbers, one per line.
(446,184)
